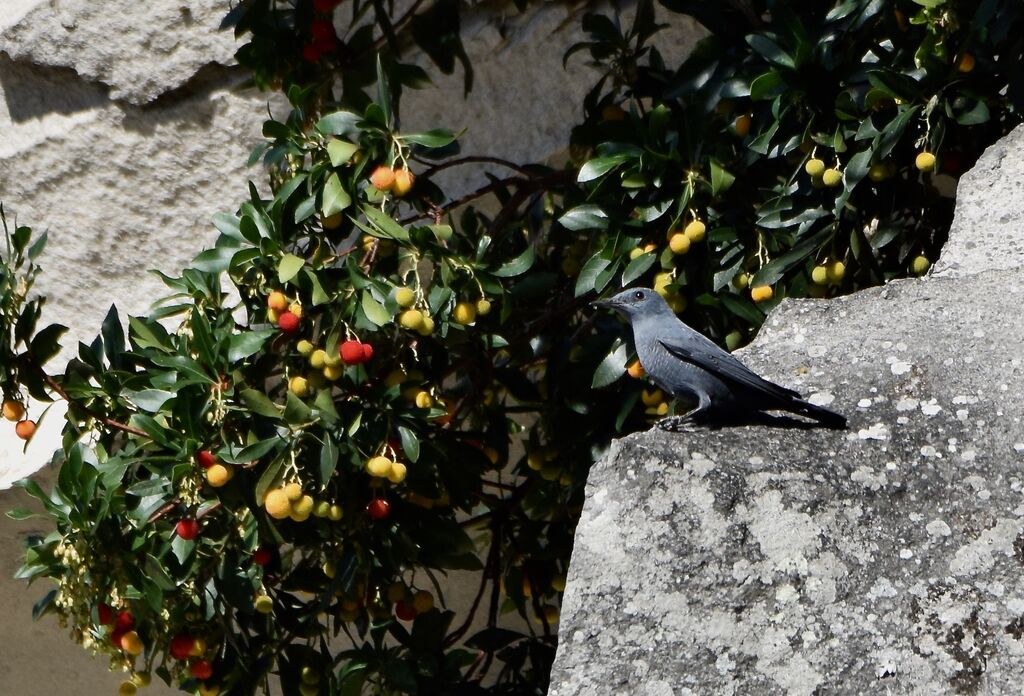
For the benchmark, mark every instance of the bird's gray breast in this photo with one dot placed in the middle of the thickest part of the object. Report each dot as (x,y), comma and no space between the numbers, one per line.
(674,375)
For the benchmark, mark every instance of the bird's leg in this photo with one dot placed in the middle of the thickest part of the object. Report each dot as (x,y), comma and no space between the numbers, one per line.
(690,420)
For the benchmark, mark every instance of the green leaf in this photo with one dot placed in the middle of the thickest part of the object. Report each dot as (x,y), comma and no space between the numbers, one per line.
(584,217)
(742,308)
(288,267)
(258,403)
(612,367)
(439,137)
(242,345)
(269,477)
(335,198)
(767,86)
(385,224)
(149,400)
(296,412)
(637,267)
(340,151)
(770,50)
(517,266)
(46,343)
(373,310)
(328,460)
(21,514)
(590,274)
(599,166)
(338,123)
(721,180)
(410,443)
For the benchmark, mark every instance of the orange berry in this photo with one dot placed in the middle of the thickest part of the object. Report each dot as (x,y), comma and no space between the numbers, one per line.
(25,429)
(636,370)
(277,301)
(383,178)
(741,126)
(13,410)
(403,180)
(761,293)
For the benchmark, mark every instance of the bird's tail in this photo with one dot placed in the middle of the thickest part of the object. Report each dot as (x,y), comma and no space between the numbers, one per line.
(827,418)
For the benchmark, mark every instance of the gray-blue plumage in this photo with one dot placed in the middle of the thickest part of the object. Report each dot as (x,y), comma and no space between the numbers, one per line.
(690,366)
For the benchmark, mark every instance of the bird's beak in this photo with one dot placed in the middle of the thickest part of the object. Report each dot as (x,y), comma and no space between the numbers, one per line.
(605,304)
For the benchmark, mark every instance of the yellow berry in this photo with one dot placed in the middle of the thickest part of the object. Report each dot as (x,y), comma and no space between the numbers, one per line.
(423,399)
(318,358)
(335,513)
(464,313)
(304,347)
(405,297)
(397,472)
(815,167)
(832,177)
(142,679)
(302,508)
(264,604)
(296,309)
(422,601)
(878,172)
(198,647)
(695,230)
(483,307)
(218,475)
(836,271)
(378,466)
(333,360)
(558,583)
(819,274)
(127,688)
(679,243)
(333,373)
(298,386)
(661,283)
(920,265)
(741,280)
(403,182)
(277,504)
(761,293)
(677,303)
(212,689)
(925,161)
(652,397)
(426,327)
(635,253)
(411,319)
(294,491)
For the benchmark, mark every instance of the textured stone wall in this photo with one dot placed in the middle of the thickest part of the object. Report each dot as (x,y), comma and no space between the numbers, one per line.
(885,559)
(122,132)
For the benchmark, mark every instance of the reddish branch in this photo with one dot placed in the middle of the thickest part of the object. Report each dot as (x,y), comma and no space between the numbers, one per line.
(109,422)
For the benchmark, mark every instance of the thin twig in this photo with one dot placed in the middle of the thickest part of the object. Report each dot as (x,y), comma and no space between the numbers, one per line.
(109,422)
(477,159)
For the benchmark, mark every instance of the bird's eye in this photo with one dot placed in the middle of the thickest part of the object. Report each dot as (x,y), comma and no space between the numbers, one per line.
(638,294)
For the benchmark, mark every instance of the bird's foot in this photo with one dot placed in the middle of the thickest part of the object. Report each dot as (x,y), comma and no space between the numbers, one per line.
(677,424)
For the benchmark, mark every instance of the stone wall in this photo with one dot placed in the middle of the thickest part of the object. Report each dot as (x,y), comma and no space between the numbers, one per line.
(885,559)
(124,131)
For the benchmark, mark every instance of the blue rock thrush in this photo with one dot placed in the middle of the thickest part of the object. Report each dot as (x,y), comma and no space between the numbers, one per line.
(689,366)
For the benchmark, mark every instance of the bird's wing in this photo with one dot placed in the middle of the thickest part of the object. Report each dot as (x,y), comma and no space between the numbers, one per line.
(702,352)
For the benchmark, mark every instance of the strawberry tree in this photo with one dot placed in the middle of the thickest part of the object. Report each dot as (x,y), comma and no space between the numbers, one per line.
(368,382)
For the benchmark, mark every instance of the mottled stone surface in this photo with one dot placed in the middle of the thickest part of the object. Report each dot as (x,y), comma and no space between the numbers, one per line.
(889,558)
(987,228)
(139,49)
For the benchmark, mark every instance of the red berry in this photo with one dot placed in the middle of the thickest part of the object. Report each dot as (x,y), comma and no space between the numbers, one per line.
(288,322)
(262,556)
(106,614)
(187,529)
(405,611)
(321,30)
(125,621)
(311,53)
(367,352)
(351,352)
(206,459)
(181,646)
(379,509)
(201,669)
(115,637)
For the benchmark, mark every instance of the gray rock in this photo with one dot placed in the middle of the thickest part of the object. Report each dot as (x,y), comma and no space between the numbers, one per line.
(139,49)
(888,559)
(988,226)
